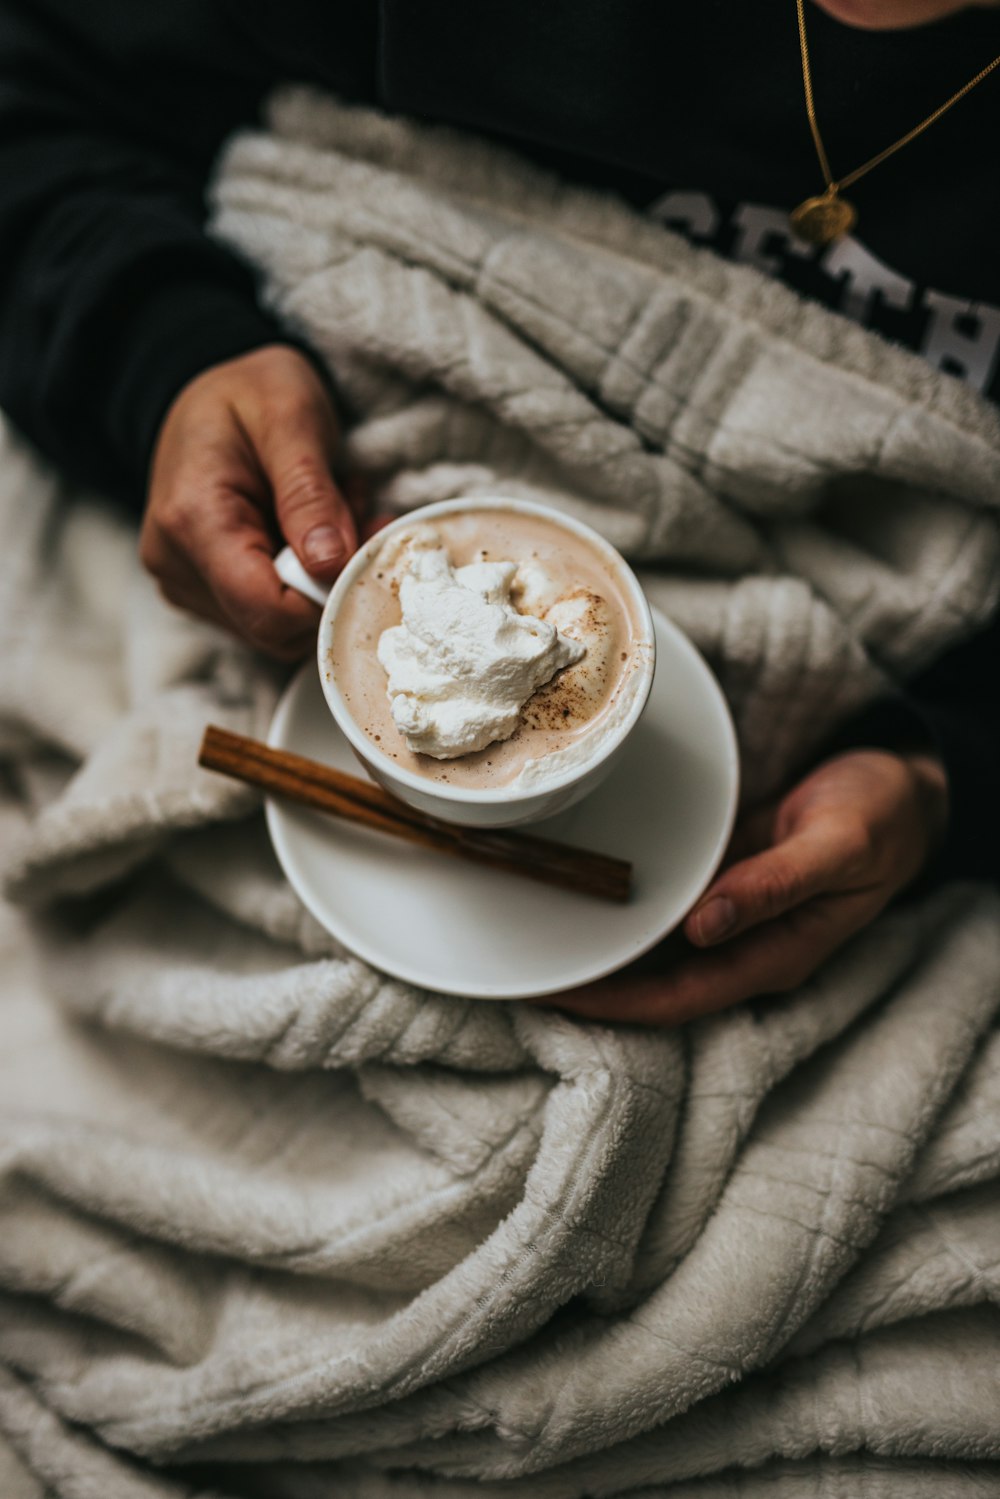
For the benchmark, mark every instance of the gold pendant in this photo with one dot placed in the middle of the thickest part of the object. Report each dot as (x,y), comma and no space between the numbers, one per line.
(820,220)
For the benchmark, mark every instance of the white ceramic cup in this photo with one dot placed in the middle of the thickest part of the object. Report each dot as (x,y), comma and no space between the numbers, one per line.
(495,806)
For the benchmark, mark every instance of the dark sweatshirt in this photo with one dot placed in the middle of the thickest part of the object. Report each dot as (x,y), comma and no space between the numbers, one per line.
(112,297)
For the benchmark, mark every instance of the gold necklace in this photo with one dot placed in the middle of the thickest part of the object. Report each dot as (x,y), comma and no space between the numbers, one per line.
(820,220)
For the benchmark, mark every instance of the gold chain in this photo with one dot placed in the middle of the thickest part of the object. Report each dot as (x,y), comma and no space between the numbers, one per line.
(822,219)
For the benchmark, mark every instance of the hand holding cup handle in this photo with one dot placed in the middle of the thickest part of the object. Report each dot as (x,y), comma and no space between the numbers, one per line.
(293,575)
(246,452)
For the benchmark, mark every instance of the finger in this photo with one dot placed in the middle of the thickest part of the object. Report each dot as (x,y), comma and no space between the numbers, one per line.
(207,528)
(228,539)
(773,959)
(193,600)
(178,581)
(821,857)
(259,607)
(295,445)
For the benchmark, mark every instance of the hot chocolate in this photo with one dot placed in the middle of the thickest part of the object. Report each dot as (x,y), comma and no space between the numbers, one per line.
(487,648)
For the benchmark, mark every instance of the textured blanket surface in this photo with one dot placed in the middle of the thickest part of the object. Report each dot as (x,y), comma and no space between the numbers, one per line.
(274,1224)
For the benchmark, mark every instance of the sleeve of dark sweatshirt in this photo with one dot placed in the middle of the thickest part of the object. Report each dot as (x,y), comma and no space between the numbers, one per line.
(111,295)
(952,709)
(959,699)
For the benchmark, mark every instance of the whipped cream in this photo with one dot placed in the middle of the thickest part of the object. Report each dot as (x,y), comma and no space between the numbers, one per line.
(463,661)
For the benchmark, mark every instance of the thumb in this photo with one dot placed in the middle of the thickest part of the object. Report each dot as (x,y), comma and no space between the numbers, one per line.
(313,515)
(766,886)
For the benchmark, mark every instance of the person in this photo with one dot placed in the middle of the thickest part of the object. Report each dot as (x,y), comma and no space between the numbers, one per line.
(133,350)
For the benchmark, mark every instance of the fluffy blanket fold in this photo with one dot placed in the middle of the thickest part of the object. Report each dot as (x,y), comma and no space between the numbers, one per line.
(274,1224)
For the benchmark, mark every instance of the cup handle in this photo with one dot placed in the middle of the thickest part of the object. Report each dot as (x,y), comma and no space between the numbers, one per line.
(293,574)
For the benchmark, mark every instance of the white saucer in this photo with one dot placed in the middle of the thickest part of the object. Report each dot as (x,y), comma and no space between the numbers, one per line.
(459,928)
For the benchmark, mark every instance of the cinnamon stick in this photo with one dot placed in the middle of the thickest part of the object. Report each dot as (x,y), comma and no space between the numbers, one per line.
(282,773)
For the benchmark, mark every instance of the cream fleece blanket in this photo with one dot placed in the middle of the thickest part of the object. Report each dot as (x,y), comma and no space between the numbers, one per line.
(274,1224)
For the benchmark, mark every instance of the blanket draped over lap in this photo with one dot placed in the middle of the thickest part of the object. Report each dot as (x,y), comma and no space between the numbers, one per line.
(272,1223)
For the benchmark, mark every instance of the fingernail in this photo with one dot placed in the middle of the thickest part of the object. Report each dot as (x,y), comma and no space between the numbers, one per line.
(322,545)
(716,919)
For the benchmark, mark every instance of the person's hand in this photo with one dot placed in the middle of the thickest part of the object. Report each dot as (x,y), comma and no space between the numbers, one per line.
(242,464)
(803,876)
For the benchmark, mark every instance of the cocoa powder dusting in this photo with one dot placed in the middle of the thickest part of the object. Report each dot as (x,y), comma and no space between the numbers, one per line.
(564,703)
